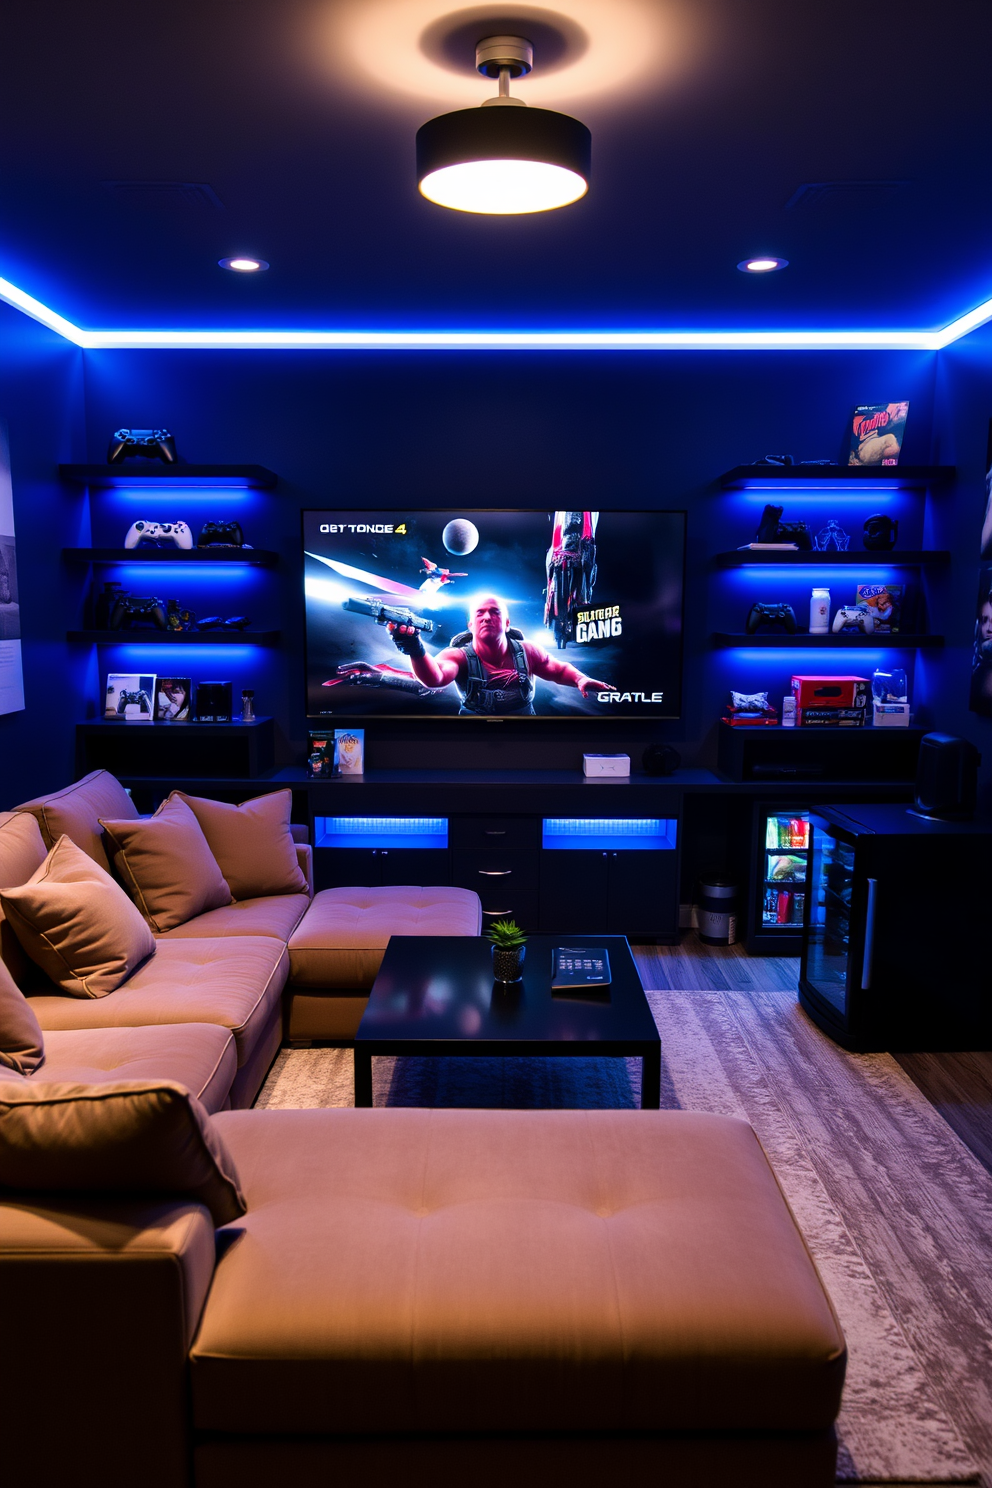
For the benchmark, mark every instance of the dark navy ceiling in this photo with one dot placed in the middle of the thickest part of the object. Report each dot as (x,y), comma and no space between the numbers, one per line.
(285,128)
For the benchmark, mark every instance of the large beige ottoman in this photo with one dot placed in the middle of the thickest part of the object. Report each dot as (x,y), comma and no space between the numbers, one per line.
(580,1297)
(336,950)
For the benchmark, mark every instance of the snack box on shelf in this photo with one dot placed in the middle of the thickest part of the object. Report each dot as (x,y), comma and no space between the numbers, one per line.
(831,692)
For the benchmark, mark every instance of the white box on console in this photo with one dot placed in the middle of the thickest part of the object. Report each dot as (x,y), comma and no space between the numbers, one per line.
(890,715)
(606,764)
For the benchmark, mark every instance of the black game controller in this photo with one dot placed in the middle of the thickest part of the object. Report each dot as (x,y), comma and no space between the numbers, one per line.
(131,609)
(771,614)
(771,529)
(141,698)
(221,535)
(152,443)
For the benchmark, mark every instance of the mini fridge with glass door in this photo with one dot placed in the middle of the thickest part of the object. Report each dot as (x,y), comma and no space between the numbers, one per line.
(897,938)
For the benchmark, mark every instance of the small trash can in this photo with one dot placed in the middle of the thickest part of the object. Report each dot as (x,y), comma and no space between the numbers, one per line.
(717,910)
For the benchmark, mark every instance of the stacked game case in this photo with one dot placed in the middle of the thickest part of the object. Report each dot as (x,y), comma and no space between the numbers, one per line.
(831,702)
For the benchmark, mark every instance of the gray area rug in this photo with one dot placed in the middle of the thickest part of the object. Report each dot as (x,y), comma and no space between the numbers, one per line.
(826,1119)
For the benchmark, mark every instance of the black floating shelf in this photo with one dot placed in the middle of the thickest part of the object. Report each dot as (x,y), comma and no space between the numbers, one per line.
(144,636)
(159,475)
(898,558)
(97,725)
(253,557)
(902,477)
(850,642)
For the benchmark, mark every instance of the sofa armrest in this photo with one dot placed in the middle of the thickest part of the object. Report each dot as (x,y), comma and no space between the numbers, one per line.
(304,856)
(300,831)
(101,1301)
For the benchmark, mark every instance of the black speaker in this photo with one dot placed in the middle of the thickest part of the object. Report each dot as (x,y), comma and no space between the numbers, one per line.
(661,759)
(947,778)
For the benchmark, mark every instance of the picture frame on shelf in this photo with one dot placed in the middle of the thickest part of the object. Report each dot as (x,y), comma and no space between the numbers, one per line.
(174,700)
(130,696)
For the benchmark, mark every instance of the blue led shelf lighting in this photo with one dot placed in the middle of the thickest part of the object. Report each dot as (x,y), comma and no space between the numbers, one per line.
(608,834)
(380,831)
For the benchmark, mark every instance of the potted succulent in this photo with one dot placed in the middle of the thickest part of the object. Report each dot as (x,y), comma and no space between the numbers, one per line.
(509,944)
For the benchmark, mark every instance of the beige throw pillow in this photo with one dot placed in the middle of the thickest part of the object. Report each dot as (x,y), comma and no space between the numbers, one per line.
(77,924)
(22,1043)
(252,843)
(75,812)
(135,1137)
(167,866)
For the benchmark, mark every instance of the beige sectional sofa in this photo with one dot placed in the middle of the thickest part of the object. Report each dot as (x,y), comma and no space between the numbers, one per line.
(228,967)
(401,1294)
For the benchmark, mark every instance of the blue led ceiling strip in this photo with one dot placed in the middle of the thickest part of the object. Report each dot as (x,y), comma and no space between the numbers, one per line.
(498,340)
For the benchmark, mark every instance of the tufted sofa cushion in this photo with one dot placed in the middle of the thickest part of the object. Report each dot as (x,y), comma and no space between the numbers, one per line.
(235,984)
(341,939)
(511,1271)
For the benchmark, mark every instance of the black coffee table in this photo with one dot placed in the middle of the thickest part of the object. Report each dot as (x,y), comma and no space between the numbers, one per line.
(435,995)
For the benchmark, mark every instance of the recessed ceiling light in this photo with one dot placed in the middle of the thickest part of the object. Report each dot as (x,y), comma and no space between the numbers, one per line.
(503,158)
(242,264)
(765,265)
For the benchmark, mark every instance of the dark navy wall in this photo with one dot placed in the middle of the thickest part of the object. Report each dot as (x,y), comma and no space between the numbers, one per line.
(41,400)
(963,410)
(543,430)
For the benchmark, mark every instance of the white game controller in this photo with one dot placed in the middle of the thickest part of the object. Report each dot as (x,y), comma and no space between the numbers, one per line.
(176,533)
(858,617)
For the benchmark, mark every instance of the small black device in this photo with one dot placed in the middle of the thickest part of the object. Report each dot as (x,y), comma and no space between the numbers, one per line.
(771,529)
(661,759)
(210,622)
(946,778)
(103,604)
(141,698)
(880,533)
(778,613)
(237,622)
(213,702)
(131,610)
(153,444)
(221,535)
(384,614)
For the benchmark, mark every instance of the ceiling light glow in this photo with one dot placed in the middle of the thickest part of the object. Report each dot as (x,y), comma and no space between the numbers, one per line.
(241,264)
(503,187)
(766,265)
(503,158)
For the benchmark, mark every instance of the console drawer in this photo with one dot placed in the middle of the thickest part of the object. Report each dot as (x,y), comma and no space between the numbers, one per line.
(519,905)
(494,831)
(496,869)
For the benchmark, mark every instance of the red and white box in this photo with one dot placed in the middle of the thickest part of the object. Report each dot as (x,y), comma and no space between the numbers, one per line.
(830,692)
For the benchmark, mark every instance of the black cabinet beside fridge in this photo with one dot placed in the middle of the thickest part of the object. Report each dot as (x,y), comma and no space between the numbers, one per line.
(897,930)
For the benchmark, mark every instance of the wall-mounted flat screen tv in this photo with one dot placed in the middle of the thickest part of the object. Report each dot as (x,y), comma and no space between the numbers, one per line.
(494,614)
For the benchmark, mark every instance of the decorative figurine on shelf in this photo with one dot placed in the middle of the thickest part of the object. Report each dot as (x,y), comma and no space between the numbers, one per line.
(509,945)
(747,709)
(832,536)
(248,706)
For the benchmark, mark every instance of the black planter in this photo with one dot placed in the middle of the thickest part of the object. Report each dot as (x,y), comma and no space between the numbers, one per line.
(508,962)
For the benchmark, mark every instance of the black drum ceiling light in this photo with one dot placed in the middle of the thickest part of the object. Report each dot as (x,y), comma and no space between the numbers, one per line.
(503,158)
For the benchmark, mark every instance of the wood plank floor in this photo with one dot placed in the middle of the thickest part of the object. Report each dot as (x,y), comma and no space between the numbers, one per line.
(918,1208)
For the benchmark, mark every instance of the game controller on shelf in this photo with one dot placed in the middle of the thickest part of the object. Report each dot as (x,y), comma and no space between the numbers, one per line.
(216,622)
(151,443)
(771,529)
(221,535)
(771,614)
(159,534)
(130,610)
(142,699)
(854,617)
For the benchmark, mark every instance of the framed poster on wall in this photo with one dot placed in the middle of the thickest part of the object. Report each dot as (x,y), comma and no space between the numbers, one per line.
(11,670)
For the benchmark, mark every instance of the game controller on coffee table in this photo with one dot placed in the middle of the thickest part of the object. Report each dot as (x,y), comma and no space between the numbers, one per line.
(153,444)
(854,617)
(159,534)
(771,614)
